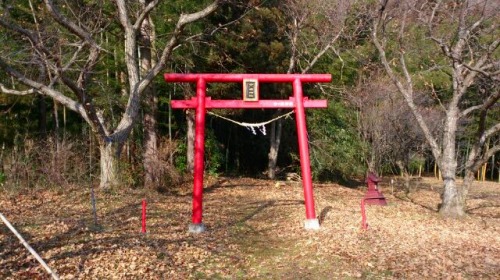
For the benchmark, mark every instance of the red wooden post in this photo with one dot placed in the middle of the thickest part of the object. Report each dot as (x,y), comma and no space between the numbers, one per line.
(199,153)
(240,104)
(238,78)
(143,230)
(300,119)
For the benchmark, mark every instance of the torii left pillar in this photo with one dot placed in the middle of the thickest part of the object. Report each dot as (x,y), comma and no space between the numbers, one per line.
(201,103)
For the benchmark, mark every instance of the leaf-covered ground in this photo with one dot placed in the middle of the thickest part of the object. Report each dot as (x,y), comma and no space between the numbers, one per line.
(254,231)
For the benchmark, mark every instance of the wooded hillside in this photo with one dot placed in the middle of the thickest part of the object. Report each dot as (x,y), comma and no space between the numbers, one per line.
(415,89)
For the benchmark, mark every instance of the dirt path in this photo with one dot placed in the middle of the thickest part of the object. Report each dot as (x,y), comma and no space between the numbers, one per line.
(254,231)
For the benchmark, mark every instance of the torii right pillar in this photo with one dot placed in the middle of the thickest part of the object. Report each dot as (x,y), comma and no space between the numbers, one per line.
(311,221)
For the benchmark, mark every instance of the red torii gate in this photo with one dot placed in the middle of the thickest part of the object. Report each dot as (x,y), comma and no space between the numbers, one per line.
(250,100)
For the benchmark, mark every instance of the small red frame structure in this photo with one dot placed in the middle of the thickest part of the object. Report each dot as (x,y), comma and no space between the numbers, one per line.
(201,103)
(373,195)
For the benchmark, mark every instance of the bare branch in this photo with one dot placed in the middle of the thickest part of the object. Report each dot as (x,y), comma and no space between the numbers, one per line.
(481,70)
(292,62)
(407,92)
(190,18)
(444,47)
(167,51)
(137,87)
(16,92)
(147,9)
(222,26)
(469,110)
(491,100)
(33,38)
(85,36)
(234,21)
(490,132)
(474,163)
(402,61)
(73,58)
(488,154)
(69,25)
(436,97)
(123,14)
(322,52)
(433,14)
(38,87)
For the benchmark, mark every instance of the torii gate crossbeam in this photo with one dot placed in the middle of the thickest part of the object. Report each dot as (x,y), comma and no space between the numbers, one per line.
(201,103)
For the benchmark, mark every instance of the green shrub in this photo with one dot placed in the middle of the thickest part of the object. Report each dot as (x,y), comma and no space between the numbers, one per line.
(3,177)
(214,154)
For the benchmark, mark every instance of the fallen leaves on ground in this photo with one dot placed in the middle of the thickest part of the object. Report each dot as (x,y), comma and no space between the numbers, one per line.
(254,231)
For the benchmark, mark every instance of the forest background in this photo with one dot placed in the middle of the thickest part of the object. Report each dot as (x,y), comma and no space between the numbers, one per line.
(415,89)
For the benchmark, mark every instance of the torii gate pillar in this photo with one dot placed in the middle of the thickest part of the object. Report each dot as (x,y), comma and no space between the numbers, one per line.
(311,221)
(199,154)
(201,103)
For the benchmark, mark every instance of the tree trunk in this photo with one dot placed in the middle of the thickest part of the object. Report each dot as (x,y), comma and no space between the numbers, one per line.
(109,170)
(190,141)
(454,195)
(42,120)
(492,167)
(405,175)
(275,140)
(76,70)
(467,184)
(452,201)
(372,162)
(467,60)
(150,156)
(57,146)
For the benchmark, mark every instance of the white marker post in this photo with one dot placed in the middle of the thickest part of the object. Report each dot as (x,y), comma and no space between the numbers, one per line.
(35,254)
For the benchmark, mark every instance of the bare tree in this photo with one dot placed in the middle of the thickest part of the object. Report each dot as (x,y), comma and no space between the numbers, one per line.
(67,48)
(385,123)
(314,28)
(147,54)
(466,33)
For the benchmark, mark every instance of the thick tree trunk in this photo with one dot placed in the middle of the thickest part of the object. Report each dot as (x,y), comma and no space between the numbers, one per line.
(109,169)
(453,196)
(467,184)
(452,200)
(453,203)
(150,154)
(466,64)
(42,120)
(372,162)
(405,175)
(81,64)
(275,140)
(190,141)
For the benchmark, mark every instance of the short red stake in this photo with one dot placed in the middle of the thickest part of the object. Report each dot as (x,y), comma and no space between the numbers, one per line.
(144,216)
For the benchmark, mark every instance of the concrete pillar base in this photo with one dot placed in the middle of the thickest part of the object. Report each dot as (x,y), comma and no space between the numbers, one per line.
(196,228)
(311,224)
